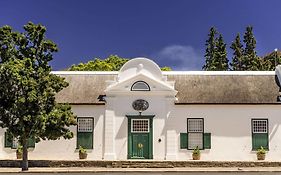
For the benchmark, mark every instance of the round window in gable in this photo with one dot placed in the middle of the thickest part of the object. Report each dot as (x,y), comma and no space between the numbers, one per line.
(140,86)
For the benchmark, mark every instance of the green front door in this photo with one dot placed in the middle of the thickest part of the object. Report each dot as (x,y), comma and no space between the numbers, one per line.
(140,145)
(140,137)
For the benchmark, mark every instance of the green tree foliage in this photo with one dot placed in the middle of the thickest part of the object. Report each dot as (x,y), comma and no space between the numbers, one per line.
(245,57)
(112,63)
(220,62)
(237,58)
(270,61)
(166,68)
(210,49)
(250,59)
(216,54)
(27,88)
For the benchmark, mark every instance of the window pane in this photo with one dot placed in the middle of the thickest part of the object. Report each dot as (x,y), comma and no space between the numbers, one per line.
(15,143)
(140,86)
(195,139)
(8,140)
(259,126)
(85,125)
(260,139)
(140,125)
(195,125)
(85,139)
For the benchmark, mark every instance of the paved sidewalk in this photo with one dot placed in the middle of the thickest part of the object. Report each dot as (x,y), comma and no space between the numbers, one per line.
(121,170)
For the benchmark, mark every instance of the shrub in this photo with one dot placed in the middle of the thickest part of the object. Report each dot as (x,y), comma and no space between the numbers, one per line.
(196,151)
(82,150)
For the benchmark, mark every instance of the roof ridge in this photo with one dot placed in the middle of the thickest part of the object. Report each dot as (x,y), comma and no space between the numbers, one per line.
(170,72)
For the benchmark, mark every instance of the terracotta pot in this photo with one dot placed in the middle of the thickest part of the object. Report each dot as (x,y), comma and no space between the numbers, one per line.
(19,155)
(196,156)
(83,155)
(260,156)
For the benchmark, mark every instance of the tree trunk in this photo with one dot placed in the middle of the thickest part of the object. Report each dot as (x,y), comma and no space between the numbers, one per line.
(24,166)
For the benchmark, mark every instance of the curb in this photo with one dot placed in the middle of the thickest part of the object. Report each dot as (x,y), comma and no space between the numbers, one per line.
(142,170)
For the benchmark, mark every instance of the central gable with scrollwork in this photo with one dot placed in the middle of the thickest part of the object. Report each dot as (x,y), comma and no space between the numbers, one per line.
(140,76)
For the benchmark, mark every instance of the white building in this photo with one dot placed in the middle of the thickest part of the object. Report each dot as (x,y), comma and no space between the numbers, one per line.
(227,114)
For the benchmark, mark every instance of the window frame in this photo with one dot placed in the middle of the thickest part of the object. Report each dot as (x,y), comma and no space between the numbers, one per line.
(14,142)
(203,131)
(77,131)
(132,87)
(252,132)
(132,128)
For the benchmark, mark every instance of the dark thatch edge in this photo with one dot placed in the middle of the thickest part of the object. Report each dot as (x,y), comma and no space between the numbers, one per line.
(277,103)
(228,103)
(98,104)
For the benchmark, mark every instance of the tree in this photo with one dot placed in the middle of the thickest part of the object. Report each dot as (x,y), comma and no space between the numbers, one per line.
(210,50)
(270,61)
(220,62)
(250,59)
(27,88)
(216,55)
(112,63)
(237,58)
(166,68)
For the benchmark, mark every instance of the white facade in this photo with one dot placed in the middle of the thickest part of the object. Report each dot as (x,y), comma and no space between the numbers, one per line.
(229,124)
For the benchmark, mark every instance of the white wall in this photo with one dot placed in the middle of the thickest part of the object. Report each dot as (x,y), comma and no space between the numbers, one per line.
(65,149)
(230,127)
(123,106)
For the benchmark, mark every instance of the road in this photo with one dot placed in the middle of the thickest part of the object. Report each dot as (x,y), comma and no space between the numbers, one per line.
(158,173)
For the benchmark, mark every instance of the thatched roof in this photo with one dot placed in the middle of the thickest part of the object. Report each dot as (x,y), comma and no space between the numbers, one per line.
(225,89)
(83,89)
(192,89)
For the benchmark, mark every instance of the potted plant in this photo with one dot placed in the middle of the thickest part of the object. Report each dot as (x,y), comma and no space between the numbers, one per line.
(196,153)
(19,152)
(261,153)
(82,153)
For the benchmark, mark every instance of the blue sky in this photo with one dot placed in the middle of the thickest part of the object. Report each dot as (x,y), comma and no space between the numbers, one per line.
(170,32)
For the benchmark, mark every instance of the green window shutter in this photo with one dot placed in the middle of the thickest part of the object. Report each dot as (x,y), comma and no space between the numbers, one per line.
(183,140)
(31,143)
(258,140)
(8,140)
(85,139)
(207,140)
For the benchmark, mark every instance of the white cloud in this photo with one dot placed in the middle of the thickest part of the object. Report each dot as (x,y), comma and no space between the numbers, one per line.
(179,57)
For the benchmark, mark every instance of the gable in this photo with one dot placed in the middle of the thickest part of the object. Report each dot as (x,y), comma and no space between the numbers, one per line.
(155,86)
